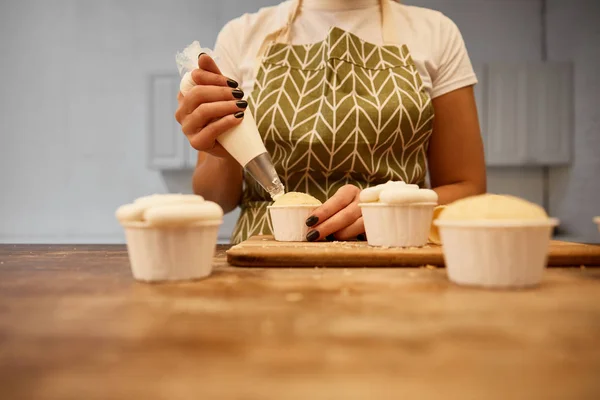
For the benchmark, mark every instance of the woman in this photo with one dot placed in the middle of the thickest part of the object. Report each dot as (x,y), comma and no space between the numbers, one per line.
(344,93)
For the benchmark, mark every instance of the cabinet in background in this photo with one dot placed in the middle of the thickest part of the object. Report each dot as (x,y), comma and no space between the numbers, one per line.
(168,148)
(526,114)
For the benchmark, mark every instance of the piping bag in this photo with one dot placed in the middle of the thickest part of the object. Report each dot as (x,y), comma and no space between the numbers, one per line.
(243,142)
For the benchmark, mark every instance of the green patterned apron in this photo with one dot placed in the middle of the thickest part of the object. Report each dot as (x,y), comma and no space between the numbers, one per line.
(342,111)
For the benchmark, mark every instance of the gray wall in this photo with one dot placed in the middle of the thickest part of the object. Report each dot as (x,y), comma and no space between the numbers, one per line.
(574,34)
(74,104)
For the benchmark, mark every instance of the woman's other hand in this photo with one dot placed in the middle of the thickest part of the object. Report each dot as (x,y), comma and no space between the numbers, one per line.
(339,218)
(211,108)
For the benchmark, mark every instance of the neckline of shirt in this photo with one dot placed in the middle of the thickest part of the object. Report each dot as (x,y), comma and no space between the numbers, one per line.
(338,5)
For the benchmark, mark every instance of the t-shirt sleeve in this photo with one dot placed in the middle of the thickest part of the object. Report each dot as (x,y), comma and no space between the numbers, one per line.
(227,52)
(454,68)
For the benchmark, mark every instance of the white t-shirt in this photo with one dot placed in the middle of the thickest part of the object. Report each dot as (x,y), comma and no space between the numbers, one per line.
(435,42)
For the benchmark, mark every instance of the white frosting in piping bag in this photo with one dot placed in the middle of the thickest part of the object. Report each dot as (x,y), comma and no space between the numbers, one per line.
(187,83)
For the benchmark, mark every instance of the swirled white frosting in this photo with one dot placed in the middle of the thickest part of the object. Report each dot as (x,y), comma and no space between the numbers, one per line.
(169,210)
(398,192)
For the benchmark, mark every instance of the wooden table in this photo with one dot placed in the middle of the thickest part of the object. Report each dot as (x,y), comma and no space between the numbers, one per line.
(74,325)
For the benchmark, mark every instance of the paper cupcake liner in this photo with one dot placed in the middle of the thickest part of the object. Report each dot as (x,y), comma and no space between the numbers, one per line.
(289,222)
(496,254)
(389,225)
(434,231)
(171,254)
(597,221)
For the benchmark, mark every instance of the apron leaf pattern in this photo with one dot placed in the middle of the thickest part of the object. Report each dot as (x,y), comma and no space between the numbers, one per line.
(342,111)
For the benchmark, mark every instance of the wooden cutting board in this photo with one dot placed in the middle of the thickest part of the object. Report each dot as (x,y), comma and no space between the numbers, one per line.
(263,251)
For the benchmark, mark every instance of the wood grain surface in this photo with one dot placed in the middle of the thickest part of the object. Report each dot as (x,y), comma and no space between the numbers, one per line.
(265,252)
(75,325)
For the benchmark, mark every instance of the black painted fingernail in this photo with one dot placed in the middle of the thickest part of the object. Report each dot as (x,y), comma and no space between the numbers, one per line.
(330,238)
(361,238)
(232,84)
(242,104)
(312,221)
(237,93)
(200,55)
(312,236)
(239,115)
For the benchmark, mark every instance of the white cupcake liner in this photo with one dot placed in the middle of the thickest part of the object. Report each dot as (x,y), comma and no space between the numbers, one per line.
(434,231)
(171,254)
(289,222)
(395,225)
(597,221)
(496,254)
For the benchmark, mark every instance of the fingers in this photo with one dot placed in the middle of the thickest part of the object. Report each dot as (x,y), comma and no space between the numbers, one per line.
(208,73)
(207,78)
(205,94)
(351,232)
(206,63)
(210,86)
(343,220)
(210,108)
(207,112)
(340,200)
(338,213)
(205,139)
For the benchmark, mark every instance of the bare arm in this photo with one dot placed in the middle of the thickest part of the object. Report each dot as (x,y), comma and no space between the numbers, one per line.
(455,156)
(219,180)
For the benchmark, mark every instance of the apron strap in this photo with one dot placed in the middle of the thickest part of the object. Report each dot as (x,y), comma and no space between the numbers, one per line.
(388,25)
(275,36)
(283,34)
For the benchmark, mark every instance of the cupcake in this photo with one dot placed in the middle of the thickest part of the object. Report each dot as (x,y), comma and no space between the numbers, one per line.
(597,221)
(170,237)
(397,214)
(288,216)
(434,231)
(495,241)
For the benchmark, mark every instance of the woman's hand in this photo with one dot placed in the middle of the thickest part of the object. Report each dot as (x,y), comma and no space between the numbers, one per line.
(339,218)
(211,108)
